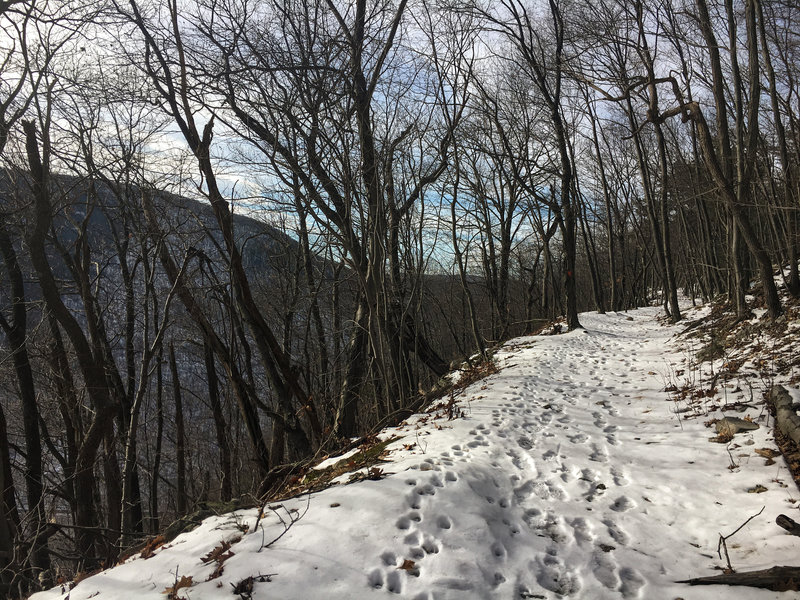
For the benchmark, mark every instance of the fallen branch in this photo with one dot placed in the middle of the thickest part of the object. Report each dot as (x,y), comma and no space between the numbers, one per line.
(777,579)
(785,417)
(790,525)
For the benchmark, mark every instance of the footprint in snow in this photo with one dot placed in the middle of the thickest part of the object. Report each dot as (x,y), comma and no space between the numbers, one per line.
(430,545)
(532,517)
(526,490)
(616,532)
(413,539)
(550,455)
(623,504)
(555,576)
(413,501)
(375,579)
(595,489)
(547,490)
(429,465)
(632,583)
(498,550)
(619,477)
(598,454)
(604,568)
(567,473)
(582,531)
(426,490)
(551,526)
(394,582)
(588,475)
(405,521)
(525,443)
(497,579)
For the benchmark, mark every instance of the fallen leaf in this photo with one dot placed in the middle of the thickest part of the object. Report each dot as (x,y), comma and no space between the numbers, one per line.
(183,582)
(219,554)
(767,452)
(407,565)
(152,545)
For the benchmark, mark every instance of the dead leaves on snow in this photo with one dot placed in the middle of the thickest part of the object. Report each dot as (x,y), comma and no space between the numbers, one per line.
(218,556)
(769,454)
(184,582)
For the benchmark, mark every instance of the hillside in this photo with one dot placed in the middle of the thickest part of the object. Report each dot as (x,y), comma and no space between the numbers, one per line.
(570,472)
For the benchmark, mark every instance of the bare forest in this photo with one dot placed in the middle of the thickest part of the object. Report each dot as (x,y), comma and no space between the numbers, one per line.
(239,234)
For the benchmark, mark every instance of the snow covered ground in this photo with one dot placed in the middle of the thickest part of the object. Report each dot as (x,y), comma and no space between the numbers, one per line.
(568,475)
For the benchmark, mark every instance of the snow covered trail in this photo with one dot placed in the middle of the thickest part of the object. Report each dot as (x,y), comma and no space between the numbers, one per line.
(568,475)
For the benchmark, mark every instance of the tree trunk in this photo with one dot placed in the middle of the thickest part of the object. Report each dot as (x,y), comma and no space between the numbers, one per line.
(357,364)
(180,437)
(17,332)
(220,426)
(92,367)
(9,519)
(156,469)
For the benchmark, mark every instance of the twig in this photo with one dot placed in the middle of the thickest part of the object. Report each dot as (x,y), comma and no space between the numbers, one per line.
(723,538)
(286,525)
(732,466)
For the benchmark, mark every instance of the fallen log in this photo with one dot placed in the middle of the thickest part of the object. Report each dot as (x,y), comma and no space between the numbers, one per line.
(790,525)
(777,579)
(785,417)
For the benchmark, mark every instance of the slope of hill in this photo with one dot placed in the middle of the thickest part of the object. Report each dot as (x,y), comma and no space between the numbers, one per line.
(568,473)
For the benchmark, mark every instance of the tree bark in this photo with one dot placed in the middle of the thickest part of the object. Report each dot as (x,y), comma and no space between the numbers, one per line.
(220,426)
(779,579)
(17,331)
(91,365)
(181,501)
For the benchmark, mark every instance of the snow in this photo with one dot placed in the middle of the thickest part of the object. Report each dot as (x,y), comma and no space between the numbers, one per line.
(329,462)
(569,474)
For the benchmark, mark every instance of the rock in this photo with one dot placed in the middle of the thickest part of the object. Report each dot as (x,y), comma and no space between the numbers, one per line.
(732,425)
